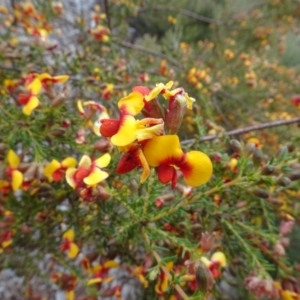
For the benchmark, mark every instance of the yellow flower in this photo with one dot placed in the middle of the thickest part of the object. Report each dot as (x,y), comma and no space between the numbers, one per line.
(13,172)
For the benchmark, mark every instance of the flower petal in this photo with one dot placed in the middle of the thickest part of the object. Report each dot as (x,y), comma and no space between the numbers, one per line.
(73,250)
(85,162)
(30,105)
(111,264)
(158,89)
(95,177)
(219,257)
(60,78)
(69,235)
(103,161)
(94,280)
(13,159)
(132,104)
(35,86)
(196,168)
(70,295)
(69,162)
(126,133)
(17,179)
(163,149)
(51,168)
(70,177)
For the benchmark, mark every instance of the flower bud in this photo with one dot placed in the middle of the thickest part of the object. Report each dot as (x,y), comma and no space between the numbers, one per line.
(174,116)
(261,193)
(284,181)
(103,145)
(279,249)
(257,156)
(204,278)
(236,146)
(295,175)
(268,170)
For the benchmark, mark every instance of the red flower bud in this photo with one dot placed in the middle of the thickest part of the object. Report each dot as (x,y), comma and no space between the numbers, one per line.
(109,127)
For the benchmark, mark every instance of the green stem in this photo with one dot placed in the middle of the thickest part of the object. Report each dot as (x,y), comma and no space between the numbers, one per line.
(189,201)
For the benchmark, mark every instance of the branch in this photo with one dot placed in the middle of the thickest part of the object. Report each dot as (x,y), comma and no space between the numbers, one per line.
(106,8)
(183,12)
(152,52)
(246,129)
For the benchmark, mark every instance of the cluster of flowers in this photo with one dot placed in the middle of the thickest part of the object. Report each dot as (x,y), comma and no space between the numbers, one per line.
(144,143)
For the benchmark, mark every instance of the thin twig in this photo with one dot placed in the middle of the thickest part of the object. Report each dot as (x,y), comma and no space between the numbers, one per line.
(183,12)
(245,130)
(152,52)
(11,69)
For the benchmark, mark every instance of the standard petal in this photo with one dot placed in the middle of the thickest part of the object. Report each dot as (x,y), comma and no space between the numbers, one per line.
(35,86)
(51,168)
(31,105)
(103,161)
(132,104)
(219,257)
(17,179)
(69,162)
(149,132)
(111,264)
(95,177)
(70,177)
(73,251)
(85,162)
(163,149)
(13,159)
(196,168)
(69,235)
(61,78)
(126,133)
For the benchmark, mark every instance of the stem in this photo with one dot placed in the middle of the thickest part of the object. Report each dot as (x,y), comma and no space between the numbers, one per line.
(164,269)
(245,245)
(189,201)
(245,130)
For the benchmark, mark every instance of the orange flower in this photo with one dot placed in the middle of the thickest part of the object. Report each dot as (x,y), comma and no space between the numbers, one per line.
(164,153)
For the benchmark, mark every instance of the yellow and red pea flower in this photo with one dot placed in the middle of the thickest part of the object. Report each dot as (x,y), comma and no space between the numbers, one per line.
(66,282)
(88,173)
(30,100)
(163,282)
(132,158)
(216,262)
(100,33)
(127,129)
(100,272)
(12,171)
(55,171)
(48,80)
(165,154)
(68,244)
(6,239)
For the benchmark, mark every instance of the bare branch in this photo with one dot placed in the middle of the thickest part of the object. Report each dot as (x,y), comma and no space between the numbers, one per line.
(246,129)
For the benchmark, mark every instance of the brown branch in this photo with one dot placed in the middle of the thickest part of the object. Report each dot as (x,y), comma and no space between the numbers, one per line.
(246,129)
(152,52)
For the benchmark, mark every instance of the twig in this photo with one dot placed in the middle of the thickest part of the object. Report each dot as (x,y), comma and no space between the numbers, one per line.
(11,69)
(246,129)
(152,52)
(184,12)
